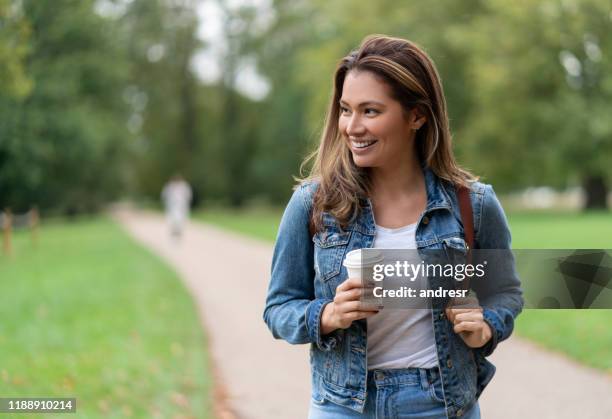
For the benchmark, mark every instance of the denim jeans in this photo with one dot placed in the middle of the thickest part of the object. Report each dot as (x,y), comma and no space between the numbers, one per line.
(414,393)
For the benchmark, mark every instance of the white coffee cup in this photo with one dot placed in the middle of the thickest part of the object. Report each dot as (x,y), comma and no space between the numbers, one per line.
(360,264)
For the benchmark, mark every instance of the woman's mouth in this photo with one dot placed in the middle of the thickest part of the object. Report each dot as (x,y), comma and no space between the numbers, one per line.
(362,145)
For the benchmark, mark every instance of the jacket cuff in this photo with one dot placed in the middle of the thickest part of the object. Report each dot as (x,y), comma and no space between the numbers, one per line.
(492,319)
(313,324)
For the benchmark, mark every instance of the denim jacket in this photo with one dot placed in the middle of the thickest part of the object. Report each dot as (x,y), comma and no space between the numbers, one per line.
(306,271)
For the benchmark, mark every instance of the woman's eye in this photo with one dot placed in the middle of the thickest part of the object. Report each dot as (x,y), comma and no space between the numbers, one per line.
(371,111)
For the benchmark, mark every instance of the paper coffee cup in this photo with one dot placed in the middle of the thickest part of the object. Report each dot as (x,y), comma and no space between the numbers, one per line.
(360,264)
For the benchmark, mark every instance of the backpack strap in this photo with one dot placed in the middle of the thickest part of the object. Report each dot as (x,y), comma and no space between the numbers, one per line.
(467,218)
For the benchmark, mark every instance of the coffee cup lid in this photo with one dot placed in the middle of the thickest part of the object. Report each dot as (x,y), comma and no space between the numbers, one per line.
(359,257)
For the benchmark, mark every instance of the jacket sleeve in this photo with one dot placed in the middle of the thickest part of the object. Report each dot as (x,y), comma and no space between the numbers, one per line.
(500,296)
(292,312)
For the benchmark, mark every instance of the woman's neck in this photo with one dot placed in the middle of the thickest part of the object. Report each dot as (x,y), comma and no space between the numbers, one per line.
(401,180)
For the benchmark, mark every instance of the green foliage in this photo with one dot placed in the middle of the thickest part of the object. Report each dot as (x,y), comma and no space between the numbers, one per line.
(99,98)
(88,314)
(506,68)
(14,33)
(61,144)
(165,115)
(541,77)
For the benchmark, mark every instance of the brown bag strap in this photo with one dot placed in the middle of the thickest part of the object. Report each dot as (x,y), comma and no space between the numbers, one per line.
(467,217)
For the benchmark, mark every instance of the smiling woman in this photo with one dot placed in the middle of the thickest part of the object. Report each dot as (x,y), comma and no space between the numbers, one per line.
(376,129)
(384,176)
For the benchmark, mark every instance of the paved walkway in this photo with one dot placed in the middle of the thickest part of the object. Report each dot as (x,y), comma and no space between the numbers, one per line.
(264,378)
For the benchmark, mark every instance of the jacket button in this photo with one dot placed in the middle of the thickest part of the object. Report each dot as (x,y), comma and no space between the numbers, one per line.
(426,220)
(379,375)
(449,363)
(442,315)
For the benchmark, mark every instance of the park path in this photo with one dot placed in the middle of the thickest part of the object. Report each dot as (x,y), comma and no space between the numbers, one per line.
(228,275)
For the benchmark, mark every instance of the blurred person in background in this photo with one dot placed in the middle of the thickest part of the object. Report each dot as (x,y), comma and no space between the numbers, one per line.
(176,196)
(385,176)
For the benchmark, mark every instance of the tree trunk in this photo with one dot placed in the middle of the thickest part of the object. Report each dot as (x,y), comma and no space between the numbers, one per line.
(596,192)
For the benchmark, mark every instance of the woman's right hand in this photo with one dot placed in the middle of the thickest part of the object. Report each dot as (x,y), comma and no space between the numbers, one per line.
(346,307)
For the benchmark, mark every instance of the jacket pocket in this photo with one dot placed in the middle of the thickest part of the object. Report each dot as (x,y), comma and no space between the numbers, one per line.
(455,243)
(456,249)
(330,246)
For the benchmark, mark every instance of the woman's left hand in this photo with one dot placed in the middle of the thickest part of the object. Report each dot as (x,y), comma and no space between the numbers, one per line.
(470,325)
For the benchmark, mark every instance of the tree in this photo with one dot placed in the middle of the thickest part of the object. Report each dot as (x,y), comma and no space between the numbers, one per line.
(61,143)
(541,78)
(14,36)
(160,36)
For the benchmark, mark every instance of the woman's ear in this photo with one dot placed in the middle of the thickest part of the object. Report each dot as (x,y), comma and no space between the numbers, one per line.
(416,119)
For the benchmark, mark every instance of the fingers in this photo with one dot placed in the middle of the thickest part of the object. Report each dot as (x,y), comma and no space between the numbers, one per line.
(352,306)
(351,289)
(473,316)
(349,295)
(346,319)
(358,315)
(349,284)
(452,313)
(468,326)
(348,303)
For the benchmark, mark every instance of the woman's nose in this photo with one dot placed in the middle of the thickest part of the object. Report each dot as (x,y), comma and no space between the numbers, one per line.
(354,126)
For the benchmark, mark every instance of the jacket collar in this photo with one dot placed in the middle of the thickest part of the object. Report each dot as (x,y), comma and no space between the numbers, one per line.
(437,197)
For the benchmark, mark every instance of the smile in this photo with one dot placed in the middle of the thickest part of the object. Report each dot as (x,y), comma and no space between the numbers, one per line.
(362,144)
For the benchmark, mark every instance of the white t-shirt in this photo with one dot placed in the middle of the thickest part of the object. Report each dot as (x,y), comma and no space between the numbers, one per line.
(400,338)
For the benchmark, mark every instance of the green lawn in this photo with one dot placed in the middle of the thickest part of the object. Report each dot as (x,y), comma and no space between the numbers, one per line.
(89,314)
(584,335)
(540,230)
(258,223)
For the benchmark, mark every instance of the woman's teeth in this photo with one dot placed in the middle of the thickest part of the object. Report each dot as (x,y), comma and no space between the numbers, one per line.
(362,144)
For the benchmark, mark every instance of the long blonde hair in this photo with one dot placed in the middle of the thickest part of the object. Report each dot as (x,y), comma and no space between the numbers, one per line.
(414,82)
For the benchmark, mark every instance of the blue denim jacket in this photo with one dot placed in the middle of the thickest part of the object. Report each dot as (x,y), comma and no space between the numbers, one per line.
(306,271)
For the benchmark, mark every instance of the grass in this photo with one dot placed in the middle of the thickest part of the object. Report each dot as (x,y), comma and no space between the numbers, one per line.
(584,335)
(89,314)
(260,223)
(557,230)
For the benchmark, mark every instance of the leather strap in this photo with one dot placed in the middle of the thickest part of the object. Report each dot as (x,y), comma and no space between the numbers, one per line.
(467,218)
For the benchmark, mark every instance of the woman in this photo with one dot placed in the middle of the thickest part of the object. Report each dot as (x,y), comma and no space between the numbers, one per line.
(384,174)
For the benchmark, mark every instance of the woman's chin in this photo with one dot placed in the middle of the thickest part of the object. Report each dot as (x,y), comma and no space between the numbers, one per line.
(363,162)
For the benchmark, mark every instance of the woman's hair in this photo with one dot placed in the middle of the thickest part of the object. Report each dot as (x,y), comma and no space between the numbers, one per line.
(415,83)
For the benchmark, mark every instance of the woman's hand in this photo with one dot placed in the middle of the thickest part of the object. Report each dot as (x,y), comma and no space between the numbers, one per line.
(470,325)
(346,307)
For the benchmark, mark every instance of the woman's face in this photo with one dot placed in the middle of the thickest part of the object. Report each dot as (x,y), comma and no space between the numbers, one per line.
(373,124)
